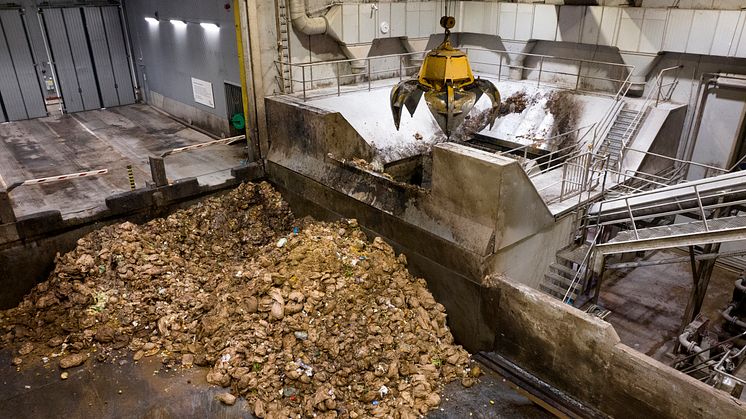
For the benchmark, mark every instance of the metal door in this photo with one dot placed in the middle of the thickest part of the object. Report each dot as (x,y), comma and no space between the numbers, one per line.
(89,55)
(234,106)
(21,95)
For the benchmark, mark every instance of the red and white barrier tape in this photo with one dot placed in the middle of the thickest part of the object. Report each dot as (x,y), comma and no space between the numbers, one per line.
(52,179)
(209,143)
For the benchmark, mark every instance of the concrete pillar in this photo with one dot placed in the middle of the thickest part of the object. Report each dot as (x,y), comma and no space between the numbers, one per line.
(7,216)
(158,171)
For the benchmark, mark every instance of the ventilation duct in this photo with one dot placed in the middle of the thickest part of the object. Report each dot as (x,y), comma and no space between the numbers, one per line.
(319,26)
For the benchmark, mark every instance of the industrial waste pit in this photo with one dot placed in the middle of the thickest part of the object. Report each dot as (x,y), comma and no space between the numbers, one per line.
(297,317)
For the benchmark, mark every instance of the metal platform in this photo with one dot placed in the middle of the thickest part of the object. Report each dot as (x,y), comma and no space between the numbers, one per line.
(727,189)
(685,234)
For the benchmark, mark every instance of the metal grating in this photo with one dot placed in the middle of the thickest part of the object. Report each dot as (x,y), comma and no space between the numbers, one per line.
(719,230)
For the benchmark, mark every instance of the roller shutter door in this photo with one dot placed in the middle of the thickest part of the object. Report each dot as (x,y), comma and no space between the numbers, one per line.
(21,95)
(89,55)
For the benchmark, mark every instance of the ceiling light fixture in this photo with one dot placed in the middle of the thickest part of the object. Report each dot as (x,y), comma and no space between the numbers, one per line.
(177,22)
(210,26)
(151,20)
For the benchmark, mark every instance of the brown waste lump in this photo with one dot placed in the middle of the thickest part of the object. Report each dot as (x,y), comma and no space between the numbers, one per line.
(307,320)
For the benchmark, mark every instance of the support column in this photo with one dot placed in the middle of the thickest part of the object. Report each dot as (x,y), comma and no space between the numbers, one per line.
(601,275)
(701,279)
(244,67)
(252,51)
(158,171)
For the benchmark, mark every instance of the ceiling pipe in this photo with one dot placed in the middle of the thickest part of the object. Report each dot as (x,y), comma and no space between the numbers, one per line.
(319,26)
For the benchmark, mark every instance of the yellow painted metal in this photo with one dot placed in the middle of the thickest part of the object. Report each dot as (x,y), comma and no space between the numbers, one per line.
(242,70)
(448,84)
(444,66)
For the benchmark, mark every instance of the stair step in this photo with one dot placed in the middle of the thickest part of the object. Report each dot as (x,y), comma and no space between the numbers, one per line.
(559,292)
(563,269)
(573,255)
(559,279)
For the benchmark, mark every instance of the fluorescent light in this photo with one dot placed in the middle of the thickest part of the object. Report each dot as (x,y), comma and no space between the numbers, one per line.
(177,22)
(151,20)
(210,26)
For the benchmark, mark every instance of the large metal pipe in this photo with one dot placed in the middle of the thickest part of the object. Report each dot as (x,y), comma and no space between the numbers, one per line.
(304,23)
(741,284)
(308,25)
(732,319)
(690,345)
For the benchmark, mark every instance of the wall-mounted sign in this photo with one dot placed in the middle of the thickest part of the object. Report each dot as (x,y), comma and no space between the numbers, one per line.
(203,92)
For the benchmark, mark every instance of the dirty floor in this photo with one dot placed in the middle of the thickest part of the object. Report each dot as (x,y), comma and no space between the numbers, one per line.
(647,303)
(101,139)
(121,388)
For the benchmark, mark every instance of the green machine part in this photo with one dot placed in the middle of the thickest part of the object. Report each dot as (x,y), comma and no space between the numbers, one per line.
(238,121)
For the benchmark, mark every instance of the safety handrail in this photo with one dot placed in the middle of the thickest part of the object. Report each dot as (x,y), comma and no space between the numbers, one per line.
(582,268)
(702,182)
(637,119)
(365,63)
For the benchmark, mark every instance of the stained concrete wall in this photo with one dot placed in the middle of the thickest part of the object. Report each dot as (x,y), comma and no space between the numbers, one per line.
(168,56)
(479,202)
(583,356)
(528,260)
(563,71)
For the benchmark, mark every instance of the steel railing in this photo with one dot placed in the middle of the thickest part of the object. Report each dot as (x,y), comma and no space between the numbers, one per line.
(654,95)
(343,83)
(583,270)
(689,197)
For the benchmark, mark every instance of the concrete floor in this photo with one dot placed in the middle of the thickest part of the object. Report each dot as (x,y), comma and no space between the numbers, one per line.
(102,139)
(121,388)
(648,303)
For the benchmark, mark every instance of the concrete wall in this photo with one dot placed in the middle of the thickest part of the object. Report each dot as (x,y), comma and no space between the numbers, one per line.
(591,74)
(479,202)
(720,133)
(697,4)
(527,261)
(721,130)
(168,56)
(583,356)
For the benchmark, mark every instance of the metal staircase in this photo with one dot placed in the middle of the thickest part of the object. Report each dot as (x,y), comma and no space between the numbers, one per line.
(565,278)
(625,127)
(709,202)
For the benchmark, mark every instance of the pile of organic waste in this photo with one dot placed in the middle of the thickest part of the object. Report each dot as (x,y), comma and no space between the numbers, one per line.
(297,316)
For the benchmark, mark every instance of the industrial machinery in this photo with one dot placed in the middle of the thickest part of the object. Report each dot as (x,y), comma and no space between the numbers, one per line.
(449,86)
(714,353)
